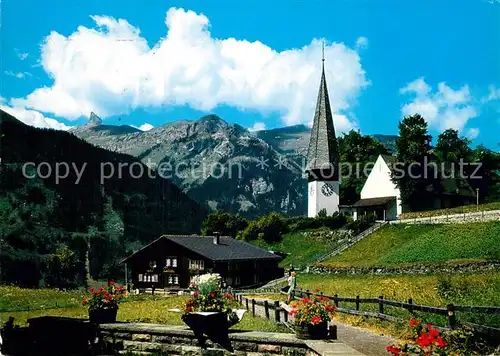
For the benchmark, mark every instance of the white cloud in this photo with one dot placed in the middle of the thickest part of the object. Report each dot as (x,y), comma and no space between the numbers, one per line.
(258,126)
(145,127)
(361,43)
(472,133)
(21,55)
(443,109)
(112,70)
(19,75)
(493,94)
(33,117)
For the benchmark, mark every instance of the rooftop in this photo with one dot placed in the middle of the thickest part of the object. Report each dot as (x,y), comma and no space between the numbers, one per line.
(228,249)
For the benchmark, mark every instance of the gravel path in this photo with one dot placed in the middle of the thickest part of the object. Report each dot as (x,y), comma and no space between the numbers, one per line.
(362,340)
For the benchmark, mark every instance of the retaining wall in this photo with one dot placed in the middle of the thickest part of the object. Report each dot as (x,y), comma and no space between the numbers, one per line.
(155,339)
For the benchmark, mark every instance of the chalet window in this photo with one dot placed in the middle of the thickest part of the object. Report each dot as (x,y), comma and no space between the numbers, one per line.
(173,279)
(233,266)
(196,264)
(255,265)
(229,281)
(237,281)
(171,261)
(154,278)
(237,266)
(141,278)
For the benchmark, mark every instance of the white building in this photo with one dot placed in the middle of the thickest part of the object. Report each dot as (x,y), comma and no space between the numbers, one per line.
(382,198)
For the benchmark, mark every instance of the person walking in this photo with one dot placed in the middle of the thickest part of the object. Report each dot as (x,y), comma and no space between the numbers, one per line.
(292,282)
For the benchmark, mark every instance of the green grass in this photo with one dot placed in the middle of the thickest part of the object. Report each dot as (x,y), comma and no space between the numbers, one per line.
(303,249)
(15,299)
(397,245)
(434,290)
(457,210)
(143,308)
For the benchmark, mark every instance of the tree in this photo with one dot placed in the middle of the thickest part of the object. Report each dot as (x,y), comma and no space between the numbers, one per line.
(450,148)
(269,228)
(356,150)
(487,178)
(225,223)
(412,174)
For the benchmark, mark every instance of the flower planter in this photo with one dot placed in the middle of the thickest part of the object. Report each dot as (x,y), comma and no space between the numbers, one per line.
(311,332)
(103,315)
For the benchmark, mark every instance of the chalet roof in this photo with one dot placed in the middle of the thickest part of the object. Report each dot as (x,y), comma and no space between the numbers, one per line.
(228,249)
(323,149)
(373,201)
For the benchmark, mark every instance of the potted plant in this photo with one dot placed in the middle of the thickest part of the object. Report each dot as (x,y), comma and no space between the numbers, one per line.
(209,305)
(312,316)
(103,304)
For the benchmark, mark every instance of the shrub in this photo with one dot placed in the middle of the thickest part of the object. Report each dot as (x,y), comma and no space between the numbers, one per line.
(269,228)
(225,223)
(361,224)
(304,223)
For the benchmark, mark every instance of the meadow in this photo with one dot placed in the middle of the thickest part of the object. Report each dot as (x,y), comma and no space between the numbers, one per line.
(303,247)
(23,304)
(399,245)
(433,290)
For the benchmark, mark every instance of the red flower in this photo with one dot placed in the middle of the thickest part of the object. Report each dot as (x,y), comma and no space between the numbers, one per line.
(441,342)
(315,320)
(85,302)
(414,323)
(393,349)
(423,340)
(196,294)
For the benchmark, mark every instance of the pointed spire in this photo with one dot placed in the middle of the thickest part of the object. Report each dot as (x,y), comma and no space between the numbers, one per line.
(323,149)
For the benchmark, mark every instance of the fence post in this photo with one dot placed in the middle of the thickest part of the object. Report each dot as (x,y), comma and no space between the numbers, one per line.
(336,300)
(277,311)
(380,305)
(452,320)
(333,332)
(308,293)
(357,302)
(253,307)
(246,302)
(410,309)
(266,308)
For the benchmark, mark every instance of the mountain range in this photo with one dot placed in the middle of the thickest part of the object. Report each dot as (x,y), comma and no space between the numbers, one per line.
(263,170)
(51,218)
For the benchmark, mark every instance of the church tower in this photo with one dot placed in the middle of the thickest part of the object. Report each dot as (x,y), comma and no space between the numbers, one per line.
(323,157)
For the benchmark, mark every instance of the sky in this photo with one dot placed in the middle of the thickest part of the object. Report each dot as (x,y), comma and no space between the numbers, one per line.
(255,63)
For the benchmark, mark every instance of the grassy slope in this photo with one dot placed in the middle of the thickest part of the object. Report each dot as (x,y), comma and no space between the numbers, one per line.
(303,249)
(401,245)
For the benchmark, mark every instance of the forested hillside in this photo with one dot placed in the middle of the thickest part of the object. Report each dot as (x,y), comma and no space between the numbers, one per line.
(50,228)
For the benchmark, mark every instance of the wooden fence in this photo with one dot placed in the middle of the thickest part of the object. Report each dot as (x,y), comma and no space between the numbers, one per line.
(273,311)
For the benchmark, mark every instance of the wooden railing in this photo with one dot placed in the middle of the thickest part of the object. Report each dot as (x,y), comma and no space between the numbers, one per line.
(449,312)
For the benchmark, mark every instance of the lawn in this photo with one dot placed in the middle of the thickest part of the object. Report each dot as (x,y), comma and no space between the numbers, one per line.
(303,247)
(416,244)
(142,308)
(434,290)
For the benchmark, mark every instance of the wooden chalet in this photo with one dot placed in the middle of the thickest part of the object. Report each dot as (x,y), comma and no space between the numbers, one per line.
(171,261)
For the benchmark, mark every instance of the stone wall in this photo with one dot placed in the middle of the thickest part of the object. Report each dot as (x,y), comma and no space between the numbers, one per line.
(481,216)
(417,269)
(154,339)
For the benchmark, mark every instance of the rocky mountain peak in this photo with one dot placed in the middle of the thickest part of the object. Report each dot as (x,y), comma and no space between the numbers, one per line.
(94,120)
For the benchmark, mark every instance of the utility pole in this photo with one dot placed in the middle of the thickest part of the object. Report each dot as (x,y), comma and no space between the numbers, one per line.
(477,199)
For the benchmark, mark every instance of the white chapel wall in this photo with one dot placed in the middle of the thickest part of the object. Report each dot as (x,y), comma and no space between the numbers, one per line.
(379,184)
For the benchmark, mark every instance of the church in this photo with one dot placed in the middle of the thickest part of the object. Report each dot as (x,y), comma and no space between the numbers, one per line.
(379,196)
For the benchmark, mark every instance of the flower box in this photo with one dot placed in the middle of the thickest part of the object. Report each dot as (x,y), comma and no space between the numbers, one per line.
(103,315)
(311,332)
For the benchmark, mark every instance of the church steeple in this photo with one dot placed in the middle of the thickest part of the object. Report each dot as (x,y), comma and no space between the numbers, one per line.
(323,153)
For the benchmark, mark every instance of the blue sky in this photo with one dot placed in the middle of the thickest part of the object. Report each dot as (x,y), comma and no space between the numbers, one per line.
(256,63)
